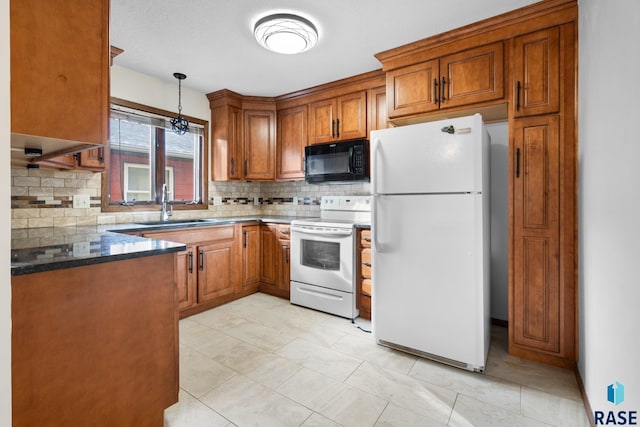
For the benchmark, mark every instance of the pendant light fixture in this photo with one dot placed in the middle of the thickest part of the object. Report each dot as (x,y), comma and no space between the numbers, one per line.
(286,33)
(179,124)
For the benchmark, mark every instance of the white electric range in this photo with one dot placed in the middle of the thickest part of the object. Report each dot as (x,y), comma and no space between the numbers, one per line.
(323,255)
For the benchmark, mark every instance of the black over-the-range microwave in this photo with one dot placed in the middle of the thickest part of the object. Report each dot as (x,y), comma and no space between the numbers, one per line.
(337,162)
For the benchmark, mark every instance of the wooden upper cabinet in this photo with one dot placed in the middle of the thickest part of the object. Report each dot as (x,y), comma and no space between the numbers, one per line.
(464,78)
(413,89)
(259,140)
(377,111)
(60,70)
(234,160)
(472,76)
(538,307)
(292,138)
(338,119)
(536,73)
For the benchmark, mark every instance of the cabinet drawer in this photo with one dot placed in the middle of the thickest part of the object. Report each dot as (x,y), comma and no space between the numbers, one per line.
(366,287)
(365,238)
(198,234)
(283,232)
(366,266)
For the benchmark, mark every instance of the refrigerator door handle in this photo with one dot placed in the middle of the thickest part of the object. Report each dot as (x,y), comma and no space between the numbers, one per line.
(374,167)
(374,223)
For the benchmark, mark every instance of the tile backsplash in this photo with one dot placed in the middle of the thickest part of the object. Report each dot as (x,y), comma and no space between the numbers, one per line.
(44,198)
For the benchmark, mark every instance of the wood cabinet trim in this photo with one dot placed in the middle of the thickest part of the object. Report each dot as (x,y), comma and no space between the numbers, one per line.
(501,27)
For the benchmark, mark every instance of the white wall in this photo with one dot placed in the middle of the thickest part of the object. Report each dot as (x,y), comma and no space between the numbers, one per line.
(609,199)
(499,220)
(143,89)
(5,221)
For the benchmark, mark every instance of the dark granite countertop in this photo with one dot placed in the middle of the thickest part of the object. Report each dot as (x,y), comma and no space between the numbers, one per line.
(66,247)
(36,250)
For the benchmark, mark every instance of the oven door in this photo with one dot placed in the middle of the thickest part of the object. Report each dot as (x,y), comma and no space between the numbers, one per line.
(322,257)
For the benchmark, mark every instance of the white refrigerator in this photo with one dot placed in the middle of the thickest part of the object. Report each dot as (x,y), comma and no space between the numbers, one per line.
(430,232)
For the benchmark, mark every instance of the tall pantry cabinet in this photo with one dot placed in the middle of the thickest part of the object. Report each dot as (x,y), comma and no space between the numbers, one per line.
(532,86)
(542,289)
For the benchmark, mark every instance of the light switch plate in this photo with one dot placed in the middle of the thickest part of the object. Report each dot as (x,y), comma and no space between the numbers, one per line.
(256,200)
(81,201)
(217,200)
(294,201)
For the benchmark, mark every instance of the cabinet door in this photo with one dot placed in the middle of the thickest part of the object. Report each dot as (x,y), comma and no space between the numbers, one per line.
(92,159)
(215,270)
(184,278)
(377,111)
(259,139)
(351,122)
(284,265)
(60,69)
(292,138)
(250,255)
(536,297)
(235,155)
(322,121)
(536,73)
(472,76)
(413,89)
(268,258)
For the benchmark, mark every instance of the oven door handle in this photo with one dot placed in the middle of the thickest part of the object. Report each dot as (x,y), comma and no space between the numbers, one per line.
(333,233)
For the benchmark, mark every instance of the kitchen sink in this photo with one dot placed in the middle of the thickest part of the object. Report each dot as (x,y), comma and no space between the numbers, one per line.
(176,222)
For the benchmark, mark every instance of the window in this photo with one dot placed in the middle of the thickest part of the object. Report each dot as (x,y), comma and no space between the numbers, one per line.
(144,154)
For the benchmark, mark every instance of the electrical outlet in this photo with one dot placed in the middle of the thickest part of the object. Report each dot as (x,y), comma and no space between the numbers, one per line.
(217,200)
(81,201)
(81,249)
(256,200)
(295,201)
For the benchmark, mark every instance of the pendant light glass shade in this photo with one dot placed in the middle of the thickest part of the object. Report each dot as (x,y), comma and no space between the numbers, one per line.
(286,33)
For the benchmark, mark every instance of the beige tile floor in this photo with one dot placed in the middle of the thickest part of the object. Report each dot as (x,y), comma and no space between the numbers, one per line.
(261,361)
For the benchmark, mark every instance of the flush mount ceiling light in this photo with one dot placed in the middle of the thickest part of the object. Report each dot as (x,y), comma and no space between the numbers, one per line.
(286,33)
(179,124)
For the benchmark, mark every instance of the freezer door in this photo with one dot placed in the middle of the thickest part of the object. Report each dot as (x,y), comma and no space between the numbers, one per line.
(430,275)
(423,159)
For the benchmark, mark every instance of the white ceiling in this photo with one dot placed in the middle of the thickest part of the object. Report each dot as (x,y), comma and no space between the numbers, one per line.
(211,41)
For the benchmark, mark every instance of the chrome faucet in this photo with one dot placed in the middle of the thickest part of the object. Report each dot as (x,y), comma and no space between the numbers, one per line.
(165,214)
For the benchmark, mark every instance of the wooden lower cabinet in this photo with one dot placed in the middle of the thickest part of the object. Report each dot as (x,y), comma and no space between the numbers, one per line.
(209,272)
(276,257)
(216,270)
(250,256)
(226,262)
(542,308)
(185,265)
(363,273)
(95,345)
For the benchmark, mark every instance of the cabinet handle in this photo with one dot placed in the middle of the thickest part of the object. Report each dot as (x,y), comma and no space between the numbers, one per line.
(333,128)
(244,239)
(233,166)
(366,264)
(518,87)
(101,154)
(442,97)
(284,232)
(201,260)
(366,239)
(435,91)
(246,167)
(517,163)
(337,128)
(286,254)
(190,262)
